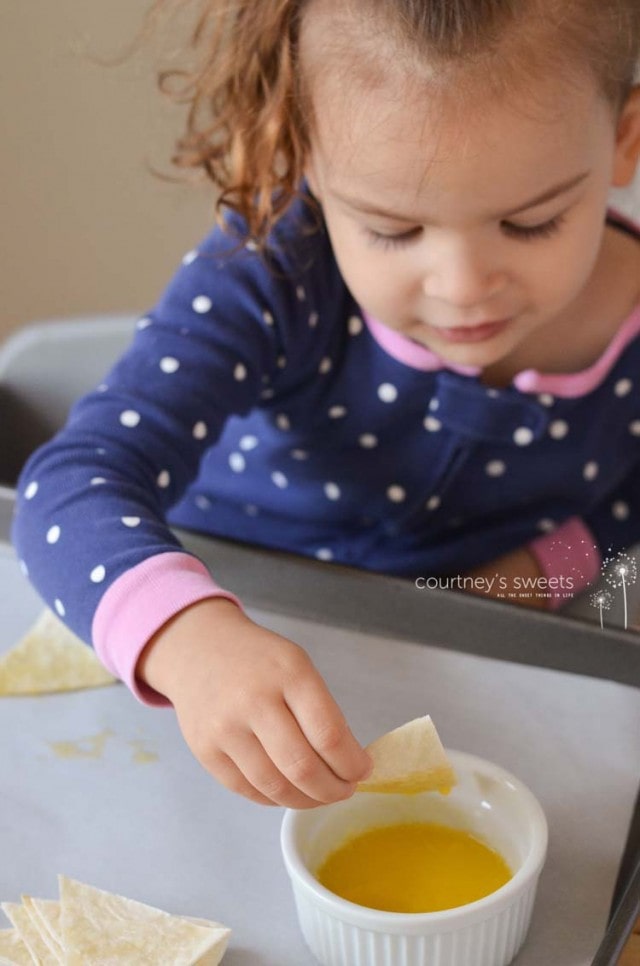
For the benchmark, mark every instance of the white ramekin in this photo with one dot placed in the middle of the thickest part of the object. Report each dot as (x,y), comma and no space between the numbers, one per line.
(487,801)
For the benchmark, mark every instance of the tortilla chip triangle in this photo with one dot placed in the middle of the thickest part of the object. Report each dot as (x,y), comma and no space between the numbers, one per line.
(21,920)
(13,951)
(90,927)
(45,917)
(50,658)
(104,929)
(408,760)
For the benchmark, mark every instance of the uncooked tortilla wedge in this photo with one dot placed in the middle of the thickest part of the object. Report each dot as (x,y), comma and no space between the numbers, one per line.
(13,951)
(50,658)
(21,920)
(109,930)
(409,760)
(45,917)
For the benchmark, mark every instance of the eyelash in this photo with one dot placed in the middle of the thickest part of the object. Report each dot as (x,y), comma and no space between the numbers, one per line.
(521,232)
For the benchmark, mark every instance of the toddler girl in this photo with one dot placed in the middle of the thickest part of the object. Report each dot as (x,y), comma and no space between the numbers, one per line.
(411,345)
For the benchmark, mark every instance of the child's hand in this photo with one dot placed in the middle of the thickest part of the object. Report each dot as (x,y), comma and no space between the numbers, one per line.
(252,708)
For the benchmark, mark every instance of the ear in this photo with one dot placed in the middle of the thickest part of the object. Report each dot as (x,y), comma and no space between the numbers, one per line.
(627,153)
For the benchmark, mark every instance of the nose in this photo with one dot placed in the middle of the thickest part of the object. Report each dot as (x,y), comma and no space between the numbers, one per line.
(462,275)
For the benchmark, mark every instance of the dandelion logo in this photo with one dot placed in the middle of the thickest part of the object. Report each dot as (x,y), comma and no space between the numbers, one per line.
(622,571)
(602,600)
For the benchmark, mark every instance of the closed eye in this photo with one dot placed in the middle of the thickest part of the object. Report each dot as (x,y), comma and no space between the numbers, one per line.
(531,232)
(393,241)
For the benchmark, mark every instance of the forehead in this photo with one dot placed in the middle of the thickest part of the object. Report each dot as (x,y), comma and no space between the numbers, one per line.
(382,128)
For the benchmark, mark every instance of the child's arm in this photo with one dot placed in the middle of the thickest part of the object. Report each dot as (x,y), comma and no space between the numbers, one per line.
(252,708)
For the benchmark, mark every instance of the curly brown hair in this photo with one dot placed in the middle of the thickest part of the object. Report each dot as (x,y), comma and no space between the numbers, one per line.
(249,111)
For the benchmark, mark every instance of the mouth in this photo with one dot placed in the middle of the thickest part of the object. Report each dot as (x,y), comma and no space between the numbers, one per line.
(472,333)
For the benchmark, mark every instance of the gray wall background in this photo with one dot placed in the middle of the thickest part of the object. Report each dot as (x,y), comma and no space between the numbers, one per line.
(85,227)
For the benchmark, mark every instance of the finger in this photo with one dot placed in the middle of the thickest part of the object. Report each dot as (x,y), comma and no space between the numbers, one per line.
(287,747)
(250,757)
(325,728)
(225,771)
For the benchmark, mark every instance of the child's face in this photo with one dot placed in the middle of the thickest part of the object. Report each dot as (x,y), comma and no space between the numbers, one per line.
(472,230)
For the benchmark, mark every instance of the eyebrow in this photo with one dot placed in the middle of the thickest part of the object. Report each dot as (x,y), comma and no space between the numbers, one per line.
(540,199)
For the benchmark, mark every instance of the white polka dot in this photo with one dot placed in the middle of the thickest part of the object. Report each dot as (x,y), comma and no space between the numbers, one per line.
(267,393)
(24,568)
(31,490)
(620,510)
(164,479)
(59,606)
(433,503)
(546,525)
(53,534)
(190,257)
(623,387)
(131,522)
(97,481)
(387,392)
(129,418)
(434,404)
(523,436)
(300,293)
(299,454)
(251,245)
(237,462)
(397,494)
(492,393)
(200,430)
(98,574)
(325,366)
(248,443)
(432,424)
(313,320)
(101,451)
(332,491)
(280,479)
(558,429)
(202,502)
(103,387)
(282,362)
(268,318)
(283,422)
(201,304)
(368,441)
(495,468)
(169,364)
(240,372)
(337,412)
(143,323)
(546,399)
(355,325)
(324,554)
(251,510)
(634,427)
(591,470)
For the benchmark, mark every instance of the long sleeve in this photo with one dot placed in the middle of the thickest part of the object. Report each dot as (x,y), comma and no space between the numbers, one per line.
(92,503)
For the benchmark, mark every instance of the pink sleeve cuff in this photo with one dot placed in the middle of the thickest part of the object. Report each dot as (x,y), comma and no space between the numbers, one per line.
(139,603)
(568,558)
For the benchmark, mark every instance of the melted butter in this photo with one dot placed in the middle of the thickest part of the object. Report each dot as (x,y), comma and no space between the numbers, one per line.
(415,867)
(91,747)
(141,755)
(412,786)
